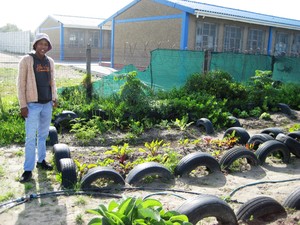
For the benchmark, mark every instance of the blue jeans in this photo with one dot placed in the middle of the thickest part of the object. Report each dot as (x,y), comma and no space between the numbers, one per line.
(37,130)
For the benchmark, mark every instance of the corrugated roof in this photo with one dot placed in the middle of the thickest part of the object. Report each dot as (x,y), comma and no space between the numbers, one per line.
(198,8)
(78,22)
(204,9)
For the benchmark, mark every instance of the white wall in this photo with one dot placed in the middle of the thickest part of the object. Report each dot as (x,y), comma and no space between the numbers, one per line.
(15,42)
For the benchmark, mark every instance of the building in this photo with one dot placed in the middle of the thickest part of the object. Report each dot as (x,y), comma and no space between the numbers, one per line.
(145,25)
(70,36)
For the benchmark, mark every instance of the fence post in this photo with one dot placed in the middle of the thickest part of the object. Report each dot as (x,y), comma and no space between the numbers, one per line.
(206,61)
(88,78)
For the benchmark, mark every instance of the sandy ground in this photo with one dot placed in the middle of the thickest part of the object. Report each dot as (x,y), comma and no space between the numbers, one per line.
(55,209)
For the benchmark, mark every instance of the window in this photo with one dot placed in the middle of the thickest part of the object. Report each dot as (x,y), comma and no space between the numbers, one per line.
(233,39)
(281,44)
(296,46)
(206,36)
(256,40)
(94,39)
(76,39)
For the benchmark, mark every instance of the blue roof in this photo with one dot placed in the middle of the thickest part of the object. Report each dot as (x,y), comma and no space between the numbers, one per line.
(214,11)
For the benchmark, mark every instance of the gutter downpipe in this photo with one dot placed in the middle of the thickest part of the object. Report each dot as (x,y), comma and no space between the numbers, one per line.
(62,49)
(269,50)
(112,54)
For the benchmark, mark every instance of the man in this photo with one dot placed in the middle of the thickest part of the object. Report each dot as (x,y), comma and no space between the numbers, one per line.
(37,95)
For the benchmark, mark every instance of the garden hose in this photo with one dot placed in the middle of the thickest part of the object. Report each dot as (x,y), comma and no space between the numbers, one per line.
(27,198)
(260,182)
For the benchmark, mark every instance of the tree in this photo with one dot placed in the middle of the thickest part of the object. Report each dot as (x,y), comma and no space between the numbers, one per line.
(9,28)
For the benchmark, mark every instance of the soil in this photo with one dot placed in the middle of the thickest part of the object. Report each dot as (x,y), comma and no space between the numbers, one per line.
(53,206)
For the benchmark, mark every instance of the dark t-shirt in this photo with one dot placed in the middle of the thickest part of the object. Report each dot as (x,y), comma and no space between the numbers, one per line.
(43,77)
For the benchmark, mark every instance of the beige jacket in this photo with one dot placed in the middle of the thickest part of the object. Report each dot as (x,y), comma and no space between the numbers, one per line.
(27,89)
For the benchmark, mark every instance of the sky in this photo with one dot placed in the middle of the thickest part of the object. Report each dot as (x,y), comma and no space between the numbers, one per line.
(29,14)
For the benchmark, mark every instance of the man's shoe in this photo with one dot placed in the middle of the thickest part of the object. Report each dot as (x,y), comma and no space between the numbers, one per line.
(44,165)
(26,176)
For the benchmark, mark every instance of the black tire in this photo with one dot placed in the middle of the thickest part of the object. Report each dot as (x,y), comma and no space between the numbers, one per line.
(260,208)
(294,134)
(147,169)
(204,206)
(100,172)
(63,120)
(236,153)
(242,135)
(193,160)
(273,131)
(207,124)
(258,139)
(53,136)
(68,172)
(293,200)
(60,151)
(284,108)
(234,122)
(272,146)
(291,143)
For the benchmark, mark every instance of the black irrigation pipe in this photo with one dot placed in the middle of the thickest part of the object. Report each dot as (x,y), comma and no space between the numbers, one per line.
(101,191)
(30,197)
(260,182)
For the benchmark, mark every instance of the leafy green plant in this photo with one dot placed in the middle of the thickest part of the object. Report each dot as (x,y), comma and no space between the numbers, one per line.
(136,211)
(182,123)
(120,152)
(82,168)
(265,116)
(152,147)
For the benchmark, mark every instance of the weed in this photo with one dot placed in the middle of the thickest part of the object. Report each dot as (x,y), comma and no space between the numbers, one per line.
(7,196)
(80,200)
(79,219)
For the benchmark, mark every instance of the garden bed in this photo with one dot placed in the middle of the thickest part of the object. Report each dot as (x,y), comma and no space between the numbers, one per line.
(52,207)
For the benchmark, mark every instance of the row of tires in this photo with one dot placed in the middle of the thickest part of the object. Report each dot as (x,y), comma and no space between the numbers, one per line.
(261,208)
(199,208)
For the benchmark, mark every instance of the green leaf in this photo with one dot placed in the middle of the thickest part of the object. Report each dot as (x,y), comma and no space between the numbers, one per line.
(179,218)
(151,203)
(149,213)
(112,205)
(126,206)
(95,221)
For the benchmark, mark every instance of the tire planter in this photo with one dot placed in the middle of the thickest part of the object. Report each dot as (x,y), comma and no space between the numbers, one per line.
(258,139)
(293,200)
(294,134)
(207,124)
(291,143)
(193,160)
(284,108)
(260,208)
(234,122)
(204,206)
(68,172)
(53,136)
(60,151)
(272,146)
(63,120)
(242,135)
(98,173)
(148,169)
(236,153)
(273,131)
